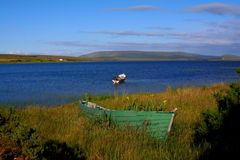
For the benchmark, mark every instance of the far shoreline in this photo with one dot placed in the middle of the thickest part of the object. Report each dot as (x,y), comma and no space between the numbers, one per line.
(86,61)
(30,59)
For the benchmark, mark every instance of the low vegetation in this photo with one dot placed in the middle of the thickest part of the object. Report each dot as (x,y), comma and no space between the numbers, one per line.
(115,56)
(219,132)
(6,58)
(37,132)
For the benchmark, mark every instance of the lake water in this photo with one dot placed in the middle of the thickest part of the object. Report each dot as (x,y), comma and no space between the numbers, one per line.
(58,83)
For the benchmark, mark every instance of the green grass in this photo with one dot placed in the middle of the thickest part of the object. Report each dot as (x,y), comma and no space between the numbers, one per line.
(99,141)
(5,58)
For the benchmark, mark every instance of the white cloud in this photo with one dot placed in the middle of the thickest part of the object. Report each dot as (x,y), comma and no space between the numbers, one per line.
(217,8)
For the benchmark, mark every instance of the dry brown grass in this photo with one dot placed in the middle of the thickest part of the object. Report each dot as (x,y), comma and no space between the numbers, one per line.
(99,141)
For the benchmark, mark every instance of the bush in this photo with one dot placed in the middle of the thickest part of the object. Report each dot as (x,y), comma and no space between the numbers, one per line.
(207,130)
(19,140)
(238,70)
(29,141)
(54,150)
(2,120)
(221,129)
(25,138)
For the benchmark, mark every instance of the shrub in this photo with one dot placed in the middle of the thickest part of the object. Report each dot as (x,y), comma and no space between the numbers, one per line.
(23,137)
(207,130)
(2,120)
(26,142)
(221,129)
(54,150)
(238,70)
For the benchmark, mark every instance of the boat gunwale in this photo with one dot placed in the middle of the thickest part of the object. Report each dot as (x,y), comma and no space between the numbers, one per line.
(97,107)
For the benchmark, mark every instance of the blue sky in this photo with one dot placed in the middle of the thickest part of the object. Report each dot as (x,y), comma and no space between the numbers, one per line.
(75,27)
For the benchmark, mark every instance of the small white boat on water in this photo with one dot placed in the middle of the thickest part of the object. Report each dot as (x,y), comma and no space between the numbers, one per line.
(119,79)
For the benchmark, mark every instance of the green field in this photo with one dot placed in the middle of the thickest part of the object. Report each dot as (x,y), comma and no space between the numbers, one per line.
(39,132)
(5,58)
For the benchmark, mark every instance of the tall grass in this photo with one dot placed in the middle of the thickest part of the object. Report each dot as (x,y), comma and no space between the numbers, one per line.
(99,141)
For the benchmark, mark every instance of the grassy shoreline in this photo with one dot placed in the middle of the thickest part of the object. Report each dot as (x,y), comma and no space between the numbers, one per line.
(12,59)
(66,125)
(19,59)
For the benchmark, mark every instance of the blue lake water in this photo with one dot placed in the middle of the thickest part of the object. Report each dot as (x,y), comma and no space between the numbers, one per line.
(58,83)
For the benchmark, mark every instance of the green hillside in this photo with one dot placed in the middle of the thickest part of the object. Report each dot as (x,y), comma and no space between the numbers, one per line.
(141,55)
(116,56)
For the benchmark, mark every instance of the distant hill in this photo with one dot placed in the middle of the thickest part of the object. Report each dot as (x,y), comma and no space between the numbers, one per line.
(141,55)
(116,56)
(230,58)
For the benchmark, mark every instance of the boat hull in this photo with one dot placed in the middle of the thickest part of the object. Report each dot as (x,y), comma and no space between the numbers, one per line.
(157,124)
(117,81)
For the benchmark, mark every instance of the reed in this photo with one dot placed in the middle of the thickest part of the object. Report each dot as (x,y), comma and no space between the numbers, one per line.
(99,141)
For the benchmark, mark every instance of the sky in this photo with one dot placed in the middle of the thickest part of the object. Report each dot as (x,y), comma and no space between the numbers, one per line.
(76,27)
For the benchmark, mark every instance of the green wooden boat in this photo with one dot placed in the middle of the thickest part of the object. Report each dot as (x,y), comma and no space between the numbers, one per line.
(156,123)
